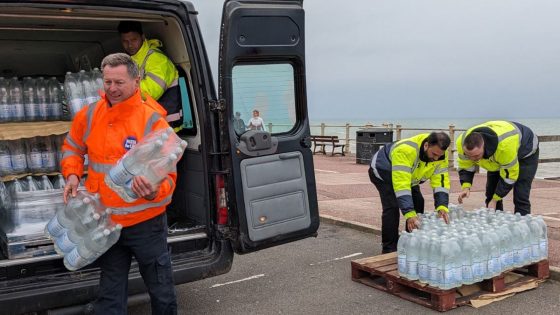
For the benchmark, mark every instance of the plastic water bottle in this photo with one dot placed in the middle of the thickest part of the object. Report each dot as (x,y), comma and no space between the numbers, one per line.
(74,93)
(5,107)
(494,264)
(16,100)
(155,171)
(543,238)
(88,87)
(401,252)
(467,250)
(58,141)
(5,159)
(30,102)
(31,184)
(535,228)
(18,156)
(55,99)
(478,257)
(48,154)
(42,98)
(133,164)
(435,263)
(46,183)
(412,255)
(423,258)
(59,182)
(98,78)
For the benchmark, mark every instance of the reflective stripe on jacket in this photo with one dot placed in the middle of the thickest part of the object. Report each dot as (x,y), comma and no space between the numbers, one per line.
(399,163)
(515,141)
(106,133)
(157,71)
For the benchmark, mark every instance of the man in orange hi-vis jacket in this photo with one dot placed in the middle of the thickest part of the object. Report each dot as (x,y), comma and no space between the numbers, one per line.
(105,131)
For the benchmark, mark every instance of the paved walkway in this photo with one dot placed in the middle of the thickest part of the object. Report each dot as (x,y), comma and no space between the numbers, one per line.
(345,193)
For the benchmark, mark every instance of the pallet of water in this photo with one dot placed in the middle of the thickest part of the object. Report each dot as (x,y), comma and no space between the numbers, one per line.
(474,246)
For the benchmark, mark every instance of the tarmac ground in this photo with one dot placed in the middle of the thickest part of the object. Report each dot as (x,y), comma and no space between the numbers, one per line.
(346,196)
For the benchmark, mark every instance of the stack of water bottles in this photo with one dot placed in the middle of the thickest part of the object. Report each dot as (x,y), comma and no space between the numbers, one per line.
(32,99)
(475,245)
(35,155)
(82,230)
(82,88)
(154,157)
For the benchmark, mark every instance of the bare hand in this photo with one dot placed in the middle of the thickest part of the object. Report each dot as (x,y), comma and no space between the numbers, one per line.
(412,223)
(71,187)
(464,194)
(444,215)
(143,188)
(492,204)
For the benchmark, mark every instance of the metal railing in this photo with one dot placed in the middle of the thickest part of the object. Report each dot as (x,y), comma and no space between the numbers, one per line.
(398,129)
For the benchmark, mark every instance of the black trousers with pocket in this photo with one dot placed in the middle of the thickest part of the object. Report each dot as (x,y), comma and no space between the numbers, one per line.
(522,187)
(391,213)
(147,242)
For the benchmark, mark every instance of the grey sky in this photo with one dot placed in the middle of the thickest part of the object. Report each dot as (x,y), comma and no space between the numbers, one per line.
(381,59)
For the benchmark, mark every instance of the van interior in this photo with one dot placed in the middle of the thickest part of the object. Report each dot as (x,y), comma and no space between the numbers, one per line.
(47,41)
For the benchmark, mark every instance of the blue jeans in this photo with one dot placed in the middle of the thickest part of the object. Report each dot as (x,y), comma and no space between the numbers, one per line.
(147,242)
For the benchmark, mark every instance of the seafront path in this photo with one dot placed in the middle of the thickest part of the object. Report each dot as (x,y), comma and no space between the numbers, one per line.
(347,197)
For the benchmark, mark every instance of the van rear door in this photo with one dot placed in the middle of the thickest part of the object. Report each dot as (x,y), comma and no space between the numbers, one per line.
(272,194)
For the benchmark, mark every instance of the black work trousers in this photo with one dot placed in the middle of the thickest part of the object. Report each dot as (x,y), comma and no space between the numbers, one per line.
(391,214)
(147,242)
(522,187)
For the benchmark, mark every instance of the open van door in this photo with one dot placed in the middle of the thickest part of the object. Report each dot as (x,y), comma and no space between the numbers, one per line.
(272,193)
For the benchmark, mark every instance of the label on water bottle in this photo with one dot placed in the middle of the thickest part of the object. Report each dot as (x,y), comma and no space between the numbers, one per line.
(477,269)
(65,244)
(19,163)
(467,273)
(412,268)
(402,263)
(448,274)
(120,175)
(516,256)
(5,162)
(423,271)
(504,260)
(526,253)
(435,275)
(510,258)
(496,264)
(35,160)
(74,259)
(18,111)
(543,247)
(5,112)
(54,227)
(535,251)
(48,160)
(458,274)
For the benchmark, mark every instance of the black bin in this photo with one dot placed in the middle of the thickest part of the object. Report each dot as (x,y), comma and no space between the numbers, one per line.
(369,141)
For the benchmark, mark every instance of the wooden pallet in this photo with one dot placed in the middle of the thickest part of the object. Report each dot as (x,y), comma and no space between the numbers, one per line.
(381,272)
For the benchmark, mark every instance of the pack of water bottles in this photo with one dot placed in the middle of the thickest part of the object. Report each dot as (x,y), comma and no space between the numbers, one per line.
(474,246)
(31,99)
(154,157)
(82,88)
(82,230)
(26,205)
(34,155)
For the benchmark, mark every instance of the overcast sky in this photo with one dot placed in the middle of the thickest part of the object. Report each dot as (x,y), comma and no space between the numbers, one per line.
(402,59)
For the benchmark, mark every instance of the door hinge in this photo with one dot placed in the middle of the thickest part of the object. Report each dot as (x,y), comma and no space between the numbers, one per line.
(217,105)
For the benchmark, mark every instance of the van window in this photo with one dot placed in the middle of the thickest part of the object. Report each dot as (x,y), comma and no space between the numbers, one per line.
(264,91)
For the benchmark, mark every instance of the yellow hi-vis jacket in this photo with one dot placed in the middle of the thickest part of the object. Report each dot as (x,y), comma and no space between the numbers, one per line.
(404,164)
(505,143)
(157,72)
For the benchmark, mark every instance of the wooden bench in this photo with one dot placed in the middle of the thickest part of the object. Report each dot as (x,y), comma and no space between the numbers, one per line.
(322,141)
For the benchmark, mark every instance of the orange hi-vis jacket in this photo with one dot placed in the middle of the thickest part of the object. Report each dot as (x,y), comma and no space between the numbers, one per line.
(105,133)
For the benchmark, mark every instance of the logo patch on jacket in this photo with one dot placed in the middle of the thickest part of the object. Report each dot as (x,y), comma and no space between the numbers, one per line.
(129,142)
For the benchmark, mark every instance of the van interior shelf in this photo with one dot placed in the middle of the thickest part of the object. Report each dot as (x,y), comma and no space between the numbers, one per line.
(20,130)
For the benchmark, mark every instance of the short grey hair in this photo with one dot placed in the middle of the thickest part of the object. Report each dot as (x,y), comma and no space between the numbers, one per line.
(119,59)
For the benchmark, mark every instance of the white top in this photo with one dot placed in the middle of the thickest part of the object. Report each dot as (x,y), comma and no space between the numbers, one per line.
(256,123)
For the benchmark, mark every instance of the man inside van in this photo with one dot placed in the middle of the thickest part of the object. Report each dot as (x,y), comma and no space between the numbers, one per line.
(106,130)
(509,151)
(158,75)
(398,169)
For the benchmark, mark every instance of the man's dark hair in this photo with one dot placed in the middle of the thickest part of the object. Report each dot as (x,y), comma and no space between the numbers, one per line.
(473,140)
(130,26)
(439,138)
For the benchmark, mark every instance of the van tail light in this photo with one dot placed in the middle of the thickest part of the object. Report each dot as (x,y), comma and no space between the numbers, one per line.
(221,203)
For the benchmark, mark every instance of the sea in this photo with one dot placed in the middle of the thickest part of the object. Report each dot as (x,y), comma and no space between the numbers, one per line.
(541,126)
